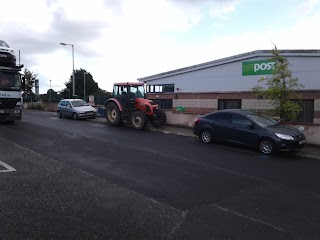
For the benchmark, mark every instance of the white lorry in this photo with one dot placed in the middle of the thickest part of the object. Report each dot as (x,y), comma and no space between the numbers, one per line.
(11,85)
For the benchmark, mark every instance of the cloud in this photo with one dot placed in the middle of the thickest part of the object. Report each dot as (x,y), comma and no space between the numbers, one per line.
(122,40)
(222,9)
(216,8)
(307,7)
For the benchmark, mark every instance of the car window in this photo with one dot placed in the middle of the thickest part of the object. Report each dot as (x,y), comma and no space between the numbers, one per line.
(240,120)
(210,116)
(79,103)
(3,44)
(221,117)
(68,103)
(62,103)
(262,120)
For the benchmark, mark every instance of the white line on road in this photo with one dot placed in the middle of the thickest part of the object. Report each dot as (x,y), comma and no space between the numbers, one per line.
(8,168)
(248,217)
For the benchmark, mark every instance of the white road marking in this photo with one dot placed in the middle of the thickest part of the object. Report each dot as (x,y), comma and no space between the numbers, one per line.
(250,218)
(8,168)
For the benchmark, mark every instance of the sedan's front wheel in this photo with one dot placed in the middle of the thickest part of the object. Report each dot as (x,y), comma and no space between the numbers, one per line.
(59,114)
(74,116)
(266,146)
(206,136)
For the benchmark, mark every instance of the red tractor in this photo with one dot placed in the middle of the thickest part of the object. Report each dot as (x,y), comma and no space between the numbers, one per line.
(129,104)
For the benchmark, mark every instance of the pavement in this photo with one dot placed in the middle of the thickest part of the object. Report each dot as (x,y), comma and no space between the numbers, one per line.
(309,151)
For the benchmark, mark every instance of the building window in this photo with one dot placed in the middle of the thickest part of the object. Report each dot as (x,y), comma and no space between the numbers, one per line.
(168,88)
(307,113)
(229,104)
(163,103)
(158,88)
(161,88)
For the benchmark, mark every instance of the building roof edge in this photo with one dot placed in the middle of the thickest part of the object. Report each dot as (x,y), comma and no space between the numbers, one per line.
(238,57)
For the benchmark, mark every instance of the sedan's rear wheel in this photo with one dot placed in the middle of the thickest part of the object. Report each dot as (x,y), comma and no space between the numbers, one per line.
(266,146)
(206,136)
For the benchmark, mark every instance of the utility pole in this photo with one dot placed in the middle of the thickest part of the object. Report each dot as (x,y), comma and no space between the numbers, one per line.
(73,79)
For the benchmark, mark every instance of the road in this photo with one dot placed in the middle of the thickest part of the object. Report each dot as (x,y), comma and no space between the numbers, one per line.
(66,179)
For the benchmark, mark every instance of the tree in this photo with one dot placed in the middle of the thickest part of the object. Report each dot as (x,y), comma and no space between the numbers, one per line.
(55,96)
(91,87)
(281,89)
(80,76)
(30,78)
(101,96)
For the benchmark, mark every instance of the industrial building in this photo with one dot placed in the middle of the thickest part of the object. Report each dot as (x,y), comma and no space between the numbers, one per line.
(228,82)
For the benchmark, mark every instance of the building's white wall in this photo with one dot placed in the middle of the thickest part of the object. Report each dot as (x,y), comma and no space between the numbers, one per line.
(183,120)
(307,70)
(261,104)
(316,121)
(317,104)
(195,103)
(228,77)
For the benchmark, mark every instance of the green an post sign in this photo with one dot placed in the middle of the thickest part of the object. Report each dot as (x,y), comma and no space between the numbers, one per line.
(261,67)
(180,109)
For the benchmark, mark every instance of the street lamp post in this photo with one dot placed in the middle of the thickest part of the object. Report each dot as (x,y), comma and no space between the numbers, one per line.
(73,80)
(84,85)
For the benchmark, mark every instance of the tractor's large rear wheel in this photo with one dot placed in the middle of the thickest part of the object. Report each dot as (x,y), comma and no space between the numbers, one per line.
(139,120)
(113,114)
(160,119)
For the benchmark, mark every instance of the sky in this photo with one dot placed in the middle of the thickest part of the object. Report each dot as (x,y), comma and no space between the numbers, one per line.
(123,40)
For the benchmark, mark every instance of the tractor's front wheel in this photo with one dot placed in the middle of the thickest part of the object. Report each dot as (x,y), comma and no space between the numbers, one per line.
(139,120)
(113,114)
(160,119)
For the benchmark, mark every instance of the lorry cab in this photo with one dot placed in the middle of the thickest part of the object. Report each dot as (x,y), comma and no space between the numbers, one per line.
(11,85)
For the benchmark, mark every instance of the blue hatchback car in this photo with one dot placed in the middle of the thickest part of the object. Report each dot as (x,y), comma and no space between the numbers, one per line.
(250,129)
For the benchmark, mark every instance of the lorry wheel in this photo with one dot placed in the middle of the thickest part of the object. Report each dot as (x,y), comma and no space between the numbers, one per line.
(113,114)
(139,120)
(160,120)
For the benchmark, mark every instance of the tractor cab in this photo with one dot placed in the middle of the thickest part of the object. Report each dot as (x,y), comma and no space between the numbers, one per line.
(128,91)
(129,94)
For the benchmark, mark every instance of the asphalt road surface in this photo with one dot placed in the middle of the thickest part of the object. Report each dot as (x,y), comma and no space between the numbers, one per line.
(67,179)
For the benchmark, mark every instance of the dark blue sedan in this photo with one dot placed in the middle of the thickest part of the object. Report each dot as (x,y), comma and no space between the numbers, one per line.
(250,129)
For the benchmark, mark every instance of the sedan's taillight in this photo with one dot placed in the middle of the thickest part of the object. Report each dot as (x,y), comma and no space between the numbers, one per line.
(196,121)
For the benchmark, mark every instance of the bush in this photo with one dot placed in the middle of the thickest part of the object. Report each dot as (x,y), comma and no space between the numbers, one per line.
(36,105)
